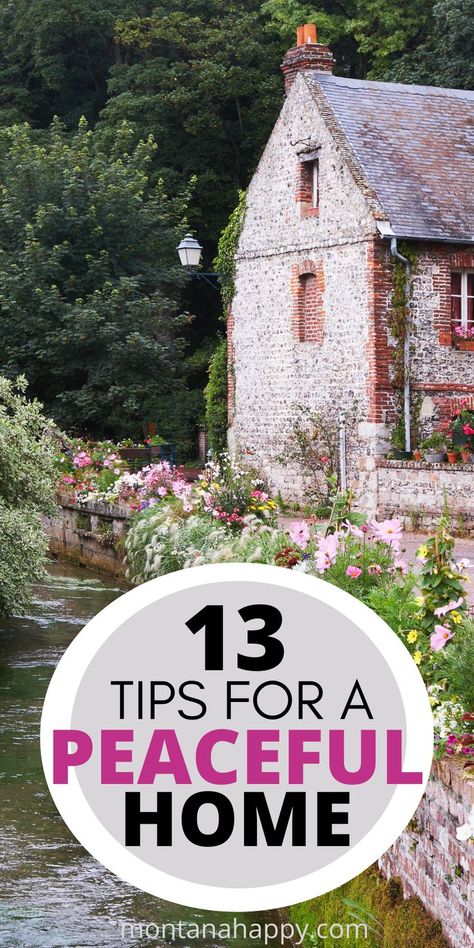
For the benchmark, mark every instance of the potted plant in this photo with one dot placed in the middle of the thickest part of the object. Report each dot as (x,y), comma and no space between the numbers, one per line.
(434,447)
(417,454)
(466,455)
(452,452)
(397,439)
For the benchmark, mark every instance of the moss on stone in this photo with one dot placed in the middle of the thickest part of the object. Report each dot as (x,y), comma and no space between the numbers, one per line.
(392,921)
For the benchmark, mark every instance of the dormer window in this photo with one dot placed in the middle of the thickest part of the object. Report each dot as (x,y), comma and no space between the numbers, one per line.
(308,189)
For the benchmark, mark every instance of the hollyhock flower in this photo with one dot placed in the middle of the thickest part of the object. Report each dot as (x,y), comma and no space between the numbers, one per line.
(327,552)
(354,572)
(299,533)
(443,610)
(388,531)
(440,636)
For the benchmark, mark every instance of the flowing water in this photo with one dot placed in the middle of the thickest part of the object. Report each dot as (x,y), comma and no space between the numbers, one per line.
(52,893)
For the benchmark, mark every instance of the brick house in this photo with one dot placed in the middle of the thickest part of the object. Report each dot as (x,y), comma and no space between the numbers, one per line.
(352,169)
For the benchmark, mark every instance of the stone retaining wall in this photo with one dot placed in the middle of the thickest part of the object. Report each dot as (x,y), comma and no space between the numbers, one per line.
(91,535)
(431,862)
(415,491)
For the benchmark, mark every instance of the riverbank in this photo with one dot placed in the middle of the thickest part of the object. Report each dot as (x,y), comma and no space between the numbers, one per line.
(53,894)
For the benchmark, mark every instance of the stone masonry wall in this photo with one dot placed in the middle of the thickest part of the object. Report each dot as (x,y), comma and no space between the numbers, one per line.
(431,862)
(274,370)
(416,492)
(90,535)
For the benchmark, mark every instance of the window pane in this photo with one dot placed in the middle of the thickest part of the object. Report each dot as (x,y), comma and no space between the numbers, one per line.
(470,310)
(456,284)
(456,309)
(315,184)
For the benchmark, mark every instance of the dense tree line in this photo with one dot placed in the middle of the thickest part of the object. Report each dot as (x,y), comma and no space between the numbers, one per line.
(198,82)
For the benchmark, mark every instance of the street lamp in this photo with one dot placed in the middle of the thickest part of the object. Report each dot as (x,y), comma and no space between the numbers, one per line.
(189,252)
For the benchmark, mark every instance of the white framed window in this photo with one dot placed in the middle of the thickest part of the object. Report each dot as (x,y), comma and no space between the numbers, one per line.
(462,303)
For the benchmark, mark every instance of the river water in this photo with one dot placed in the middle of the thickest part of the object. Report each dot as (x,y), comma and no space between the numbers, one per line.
(52,893)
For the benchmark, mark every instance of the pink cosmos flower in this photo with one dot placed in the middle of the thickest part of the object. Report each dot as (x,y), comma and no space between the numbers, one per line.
(374,569)
(440,636)
(443,610)
(299,533)
(354,572)
(401,565)
(327,552)
(388,531)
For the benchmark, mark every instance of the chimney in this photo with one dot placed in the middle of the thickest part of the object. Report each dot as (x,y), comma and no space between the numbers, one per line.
(307,54)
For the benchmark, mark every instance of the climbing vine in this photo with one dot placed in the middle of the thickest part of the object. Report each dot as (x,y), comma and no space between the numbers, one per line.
(227,249)
(398,315)
(215,395)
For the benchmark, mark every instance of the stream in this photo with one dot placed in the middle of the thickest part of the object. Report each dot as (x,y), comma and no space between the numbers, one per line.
(53,894)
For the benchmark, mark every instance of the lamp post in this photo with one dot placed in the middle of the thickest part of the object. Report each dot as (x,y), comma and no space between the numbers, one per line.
(189,252)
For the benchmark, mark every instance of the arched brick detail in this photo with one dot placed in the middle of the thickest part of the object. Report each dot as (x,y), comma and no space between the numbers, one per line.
(307,285)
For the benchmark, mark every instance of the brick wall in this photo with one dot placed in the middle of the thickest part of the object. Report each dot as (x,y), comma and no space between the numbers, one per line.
(429,859)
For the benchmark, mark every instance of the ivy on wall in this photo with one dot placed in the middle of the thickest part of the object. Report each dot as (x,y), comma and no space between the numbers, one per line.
(215,395)
(227,249)
(398,316)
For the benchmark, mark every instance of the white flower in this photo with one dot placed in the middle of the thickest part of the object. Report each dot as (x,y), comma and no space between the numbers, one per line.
(466,831)
(301,567)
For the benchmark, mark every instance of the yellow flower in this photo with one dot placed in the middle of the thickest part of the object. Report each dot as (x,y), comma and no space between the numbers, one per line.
(420,600)
(435,571)
(422,550)
(417,658)
(456,617)
(412,636)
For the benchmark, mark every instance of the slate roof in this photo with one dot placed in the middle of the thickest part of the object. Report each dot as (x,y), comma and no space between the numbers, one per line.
(415,148)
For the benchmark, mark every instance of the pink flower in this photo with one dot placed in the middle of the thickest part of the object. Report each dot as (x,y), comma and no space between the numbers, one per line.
(389,531)
(82,459)
(440,636)
(401,565)
(353,571)
(443,610)
(299,533)
(374,569)
(327,552)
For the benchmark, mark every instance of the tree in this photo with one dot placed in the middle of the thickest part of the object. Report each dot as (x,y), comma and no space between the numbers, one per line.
(203,76)
(28,443)
(89,277)
(446,57)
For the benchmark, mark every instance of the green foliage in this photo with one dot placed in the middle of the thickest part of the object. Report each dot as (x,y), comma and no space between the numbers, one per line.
(227,249)
(458,665)
(28,443)
(441,582)
(216,400)
(391,920)
(445,55)
(88,265)
(395,604)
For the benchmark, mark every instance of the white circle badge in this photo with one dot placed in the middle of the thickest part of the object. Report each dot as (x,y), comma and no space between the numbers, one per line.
(236,737)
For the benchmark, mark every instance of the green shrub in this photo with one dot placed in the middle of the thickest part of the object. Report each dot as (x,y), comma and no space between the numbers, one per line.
(458,665)
(216,400)
(28,444)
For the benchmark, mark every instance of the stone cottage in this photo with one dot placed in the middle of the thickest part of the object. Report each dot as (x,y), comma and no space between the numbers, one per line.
(354,172)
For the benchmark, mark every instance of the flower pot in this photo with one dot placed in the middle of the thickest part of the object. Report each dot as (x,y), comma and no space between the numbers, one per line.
(417,455)
(435,457)
(466,344)
(452,457)
(466,457)
(133,454)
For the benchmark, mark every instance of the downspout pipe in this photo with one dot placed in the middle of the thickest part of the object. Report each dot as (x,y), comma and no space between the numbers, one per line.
(406,345)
